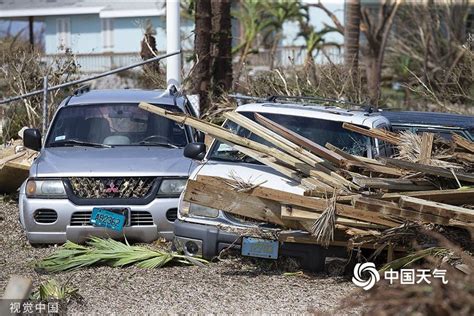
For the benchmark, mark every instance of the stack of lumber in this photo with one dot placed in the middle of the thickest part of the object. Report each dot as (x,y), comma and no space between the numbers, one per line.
(343,195)
(15,162)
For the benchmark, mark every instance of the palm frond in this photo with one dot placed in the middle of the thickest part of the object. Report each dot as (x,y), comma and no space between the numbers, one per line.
(109,252)
(415,256)
(53,290)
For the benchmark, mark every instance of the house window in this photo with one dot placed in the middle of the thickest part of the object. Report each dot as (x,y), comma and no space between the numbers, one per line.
(63,33)
(107,34)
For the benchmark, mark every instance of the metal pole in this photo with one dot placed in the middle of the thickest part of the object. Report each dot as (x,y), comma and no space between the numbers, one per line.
(67,84)
(173,42)
(45,105)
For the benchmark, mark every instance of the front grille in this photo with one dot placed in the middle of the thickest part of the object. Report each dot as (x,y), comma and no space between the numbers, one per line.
(141,218)
(45,216)
(81,218)
(137,218)
(111,188)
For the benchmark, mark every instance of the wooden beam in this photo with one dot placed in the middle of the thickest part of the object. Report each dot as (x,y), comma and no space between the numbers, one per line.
(351,157)
(463,142)
(221,133)
(302,214)
(394,184)
(11,157)
(321,171)
(426,147)
(378,133)
(454,197)
(393,210)
(377,168)
(270,194)
(236,203)
(299,140)
(439,209)
(431,170)
(312,204)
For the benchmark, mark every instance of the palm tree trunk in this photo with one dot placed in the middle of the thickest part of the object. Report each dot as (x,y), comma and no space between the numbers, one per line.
(351,34)
(221,46)
(202,49)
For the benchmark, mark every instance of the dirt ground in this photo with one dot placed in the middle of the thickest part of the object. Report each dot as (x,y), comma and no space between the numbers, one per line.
(232,286)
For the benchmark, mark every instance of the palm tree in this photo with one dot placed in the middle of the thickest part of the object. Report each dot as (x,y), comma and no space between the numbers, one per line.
(351,34)
(222,46)
(251,17)
(278,13)
(202,50)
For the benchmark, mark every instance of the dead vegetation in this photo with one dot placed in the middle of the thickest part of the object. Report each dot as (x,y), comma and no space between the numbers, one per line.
(452,298)
(21,71)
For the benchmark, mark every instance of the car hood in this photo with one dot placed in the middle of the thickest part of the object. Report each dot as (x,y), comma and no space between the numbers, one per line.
(252,173)
(117,161)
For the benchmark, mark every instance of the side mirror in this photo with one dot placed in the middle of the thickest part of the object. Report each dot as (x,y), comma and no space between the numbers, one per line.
(200,137)
(195,151)
(32,139)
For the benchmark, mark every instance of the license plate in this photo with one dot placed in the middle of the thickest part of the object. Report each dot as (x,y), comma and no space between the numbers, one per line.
(114,220)
(260,248)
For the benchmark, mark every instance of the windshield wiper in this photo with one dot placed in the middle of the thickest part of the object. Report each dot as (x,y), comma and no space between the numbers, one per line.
(148,143)
(75,142)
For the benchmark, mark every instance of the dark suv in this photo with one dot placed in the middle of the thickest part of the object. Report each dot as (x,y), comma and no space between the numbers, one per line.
(443,124)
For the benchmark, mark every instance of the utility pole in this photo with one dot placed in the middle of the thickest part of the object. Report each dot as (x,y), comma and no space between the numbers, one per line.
(173,42)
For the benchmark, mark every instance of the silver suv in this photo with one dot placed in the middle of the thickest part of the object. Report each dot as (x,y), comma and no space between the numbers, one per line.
(103,151)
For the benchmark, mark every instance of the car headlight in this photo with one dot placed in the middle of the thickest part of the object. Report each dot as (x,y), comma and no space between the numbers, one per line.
(45,188)
(172,186)
(194,210)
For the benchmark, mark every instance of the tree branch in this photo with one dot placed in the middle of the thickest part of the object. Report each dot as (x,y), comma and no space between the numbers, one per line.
(335,20)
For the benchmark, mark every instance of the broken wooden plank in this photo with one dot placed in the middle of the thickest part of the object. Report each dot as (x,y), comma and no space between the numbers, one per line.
(322,172)
(377,168)
(312,204)
(11,157)
(236,203)
(394,184)
(293,212)
(453,196)
(464,157)
(436,208)
(299,140)
(431,170)
(269,193)
(426,147)
(378,133)
(222,134)
(463,142)
(351,157)
(394,210)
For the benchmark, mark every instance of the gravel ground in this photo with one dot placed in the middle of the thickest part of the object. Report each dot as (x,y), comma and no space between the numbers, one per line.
(231,286)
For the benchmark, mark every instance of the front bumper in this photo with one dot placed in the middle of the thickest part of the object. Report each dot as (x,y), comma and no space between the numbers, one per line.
(62,230)
(209,241)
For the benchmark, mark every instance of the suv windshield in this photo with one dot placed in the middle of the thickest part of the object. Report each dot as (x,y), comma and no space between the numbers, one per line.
(106,125)
(317,130)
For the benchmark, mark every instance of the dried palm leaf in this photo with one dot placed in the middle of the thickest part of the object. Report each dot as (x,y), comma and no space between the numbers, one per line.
(110,252)
(323,227)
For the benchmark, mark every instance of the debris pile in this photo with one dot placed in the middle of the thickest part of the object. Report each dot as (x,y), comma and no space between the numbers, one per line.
(347,199)
(15,163)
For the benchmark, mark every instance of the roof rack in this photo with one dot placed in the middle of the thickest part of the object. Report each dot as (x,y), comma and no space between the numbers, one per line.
(274,98)
(82,89)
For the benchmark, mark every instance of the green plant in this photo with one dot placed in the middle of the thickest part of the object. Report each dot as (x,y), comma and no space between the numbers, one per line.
(109,252)
(52,290)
